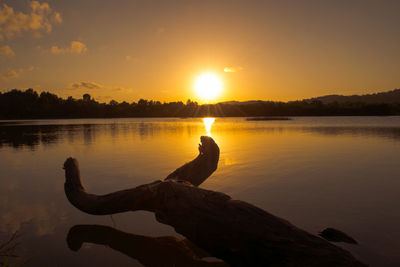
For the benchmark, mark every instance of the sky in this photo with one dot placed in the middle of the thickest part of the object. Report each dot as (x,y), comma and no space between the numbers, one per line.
(270,50)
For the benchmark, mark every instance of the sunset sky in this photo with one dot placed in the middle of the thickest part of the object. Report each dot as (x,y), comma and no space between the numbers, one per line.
(270,50)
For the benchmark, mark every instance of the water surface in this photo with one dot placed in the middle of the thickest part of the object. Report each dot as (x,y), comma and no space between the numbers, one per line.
(340,172)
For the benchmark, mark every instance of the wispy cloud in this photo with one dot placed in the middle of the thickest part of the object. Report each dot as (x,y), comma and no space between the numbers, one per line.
(75,47)
(99,91)
(15,73)
(40,19)
(5,50)
(233,69)
(11,74)
(86,85)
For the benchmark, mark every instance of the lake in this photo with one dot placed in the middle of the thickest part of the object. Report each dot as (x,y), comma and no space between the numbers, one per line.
(316,172)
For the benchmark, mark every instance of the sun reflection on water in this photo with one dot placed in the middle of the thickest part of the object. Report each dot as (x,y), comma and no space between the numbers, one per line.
(208,122)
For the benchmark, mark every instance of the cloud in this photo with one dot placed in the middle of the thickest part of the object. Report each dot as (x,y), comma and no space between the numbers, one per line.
(57,17)
(86,85)
(232,69)
(100,92)
(122,89)
(75,47)
(40,19)
(13,74)
(6,51)
(96,86)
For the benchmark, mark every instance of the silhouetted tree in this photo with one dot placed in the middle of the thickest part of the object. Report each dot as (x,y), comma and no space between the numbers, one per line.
(86,97)
(16,104)
(113,103)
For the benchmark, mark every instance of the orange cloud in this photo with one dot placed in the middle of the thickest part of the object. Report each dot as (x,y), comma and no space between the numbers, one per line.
(13,74)
(6,51)
(75,47)
(40,19)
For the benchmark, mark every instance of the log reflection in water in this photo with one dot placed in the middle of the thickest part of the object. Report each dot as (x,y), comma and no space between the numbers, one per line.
(149,251)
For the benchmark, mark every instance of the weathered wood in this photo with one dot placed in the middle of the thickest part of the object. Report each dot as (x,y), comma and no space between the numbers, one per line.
(335,235)
(232,230)
(199,169)
(141,197)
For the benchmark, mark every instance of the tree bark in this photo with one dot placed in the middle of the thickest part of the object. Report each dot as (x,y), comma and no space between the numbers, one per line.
(235,231)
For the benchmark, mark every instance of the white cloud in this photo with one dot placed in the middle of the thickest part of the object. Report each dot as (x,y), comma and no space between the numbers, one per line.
(40,19)
(75,47)
(5,50)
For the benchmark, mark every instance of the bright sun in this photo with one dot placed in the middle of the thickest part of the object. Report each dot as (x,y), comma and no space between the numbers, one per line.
(208,86)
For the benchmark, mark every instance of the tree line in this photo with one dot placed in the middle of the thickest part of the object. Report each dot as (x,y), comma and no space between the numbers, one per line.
(29,104)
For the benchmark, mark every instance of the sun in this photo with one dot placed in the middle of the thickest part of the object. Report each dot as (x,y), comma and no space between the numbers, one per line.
(208,86)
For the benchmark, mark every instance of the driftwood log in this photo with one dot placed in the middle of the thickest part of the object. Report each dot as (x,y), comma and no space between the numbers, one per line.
(232,230)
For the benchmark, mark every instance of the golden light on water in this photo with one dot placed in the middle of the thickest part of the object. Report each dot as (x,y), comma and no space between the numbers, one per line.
(208,122)
(208,86)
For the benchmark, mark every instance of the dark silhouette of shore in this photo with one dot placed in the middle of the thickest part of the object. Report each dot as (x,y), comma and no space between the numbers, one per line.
(28,104)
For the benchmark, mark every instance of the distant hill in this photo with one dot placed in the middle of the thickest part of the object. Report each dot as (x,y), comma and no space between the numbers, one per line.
(384,97)
(243,102)
(388,97)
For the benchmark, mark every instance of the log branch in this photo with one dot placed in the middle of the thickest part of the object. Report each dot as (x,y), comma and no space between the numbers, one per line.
(232,230)
(138,198)
(199,169)
(142,197)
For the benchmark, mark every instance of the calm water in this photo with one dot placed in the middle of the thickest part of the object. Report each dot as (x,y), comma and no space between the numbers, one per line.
(340,172)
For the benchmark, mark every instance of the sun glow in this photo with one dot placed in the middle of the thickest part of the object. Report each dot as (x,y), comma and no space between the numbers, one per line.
(208,86)
(208,122)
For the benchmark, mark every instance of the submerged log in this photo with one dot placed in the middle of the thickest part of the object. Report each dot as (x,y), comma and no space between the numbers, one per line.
(235,231)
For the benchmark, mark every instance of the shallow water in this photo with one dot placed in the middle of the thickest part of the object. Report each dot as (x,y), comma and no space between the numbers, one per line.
(340,172)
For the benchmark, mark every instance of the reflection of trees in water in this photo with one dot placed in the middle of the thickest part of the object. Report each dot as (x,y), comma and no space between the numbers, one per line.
(88,133)
(27,136)
(30,136)
(383,132)
(365,131)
